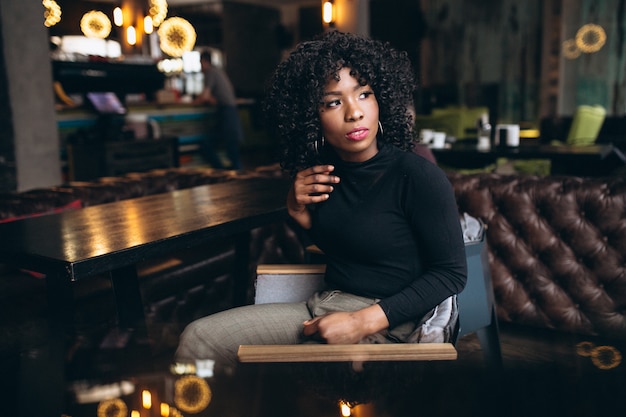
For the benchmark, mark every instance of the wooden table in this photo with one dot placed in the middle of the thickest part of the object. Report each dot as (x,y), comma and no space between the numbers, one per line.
(594,160)
(112,238)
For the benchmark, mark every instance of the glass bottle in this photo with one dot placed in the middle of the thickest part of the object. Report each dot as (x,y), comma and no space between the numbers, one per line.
(484,133)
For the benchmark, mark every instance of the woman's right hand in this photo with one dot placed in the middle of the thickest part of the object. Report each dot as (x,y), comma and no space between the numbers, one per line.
(311,185)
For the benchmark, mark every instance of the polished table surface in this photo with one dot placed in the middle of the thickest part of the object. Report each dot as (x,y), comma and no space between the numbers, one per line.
(112,238)
(82,243)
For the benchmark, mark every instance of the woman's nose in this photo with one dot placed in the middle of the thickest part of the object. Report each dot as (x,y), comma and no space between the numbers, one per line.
(354,112)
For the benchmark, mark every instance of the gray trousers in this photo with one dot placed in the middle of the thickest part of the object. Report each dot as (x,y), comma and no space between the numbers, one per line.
(218,336)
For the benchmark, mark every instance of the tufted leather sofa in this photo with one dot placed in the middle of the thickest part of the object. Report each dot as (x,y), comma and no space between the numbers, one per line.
(557,248)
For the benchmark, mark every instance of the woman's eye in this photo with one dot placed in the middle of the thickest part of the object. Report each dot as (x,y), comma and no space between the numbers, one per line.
(332,103)
(366,94)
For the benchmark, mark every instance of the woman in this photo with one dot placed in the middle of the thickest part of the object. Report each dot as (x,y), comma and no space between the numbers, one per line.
(385,218)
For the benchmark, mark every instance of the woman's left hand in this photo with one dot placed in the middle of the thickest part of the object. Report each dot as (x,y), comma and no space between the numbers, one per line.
(347,327)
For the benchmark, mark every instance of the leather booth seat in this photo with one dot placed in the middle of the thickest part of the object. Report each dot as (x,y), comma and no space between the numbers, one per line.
(556,246)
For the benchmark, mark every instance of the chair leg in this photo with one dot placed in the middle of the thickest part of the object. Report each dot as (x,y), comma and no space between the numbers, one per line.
(489,338)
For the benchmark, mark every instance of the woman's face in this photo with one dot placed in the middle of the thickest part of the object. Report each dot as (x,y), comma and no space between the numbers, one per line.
(349,117)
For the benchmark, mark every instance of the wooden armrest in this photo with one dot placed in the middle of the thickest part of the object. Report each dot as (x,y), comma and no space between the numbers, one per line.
(279,269)
(342,353)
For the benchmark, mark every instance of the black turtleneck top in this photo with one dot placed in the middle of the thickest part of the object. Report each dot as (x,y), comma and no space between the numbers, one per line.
(390,230)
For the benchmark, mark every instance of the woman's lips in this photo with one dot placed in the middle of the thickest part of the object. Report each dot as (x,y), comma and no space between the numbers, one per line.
(357,134)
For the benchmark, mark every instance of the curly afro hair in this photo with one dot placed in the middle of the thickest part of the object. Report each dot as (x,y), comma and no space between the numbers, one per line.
(295,90)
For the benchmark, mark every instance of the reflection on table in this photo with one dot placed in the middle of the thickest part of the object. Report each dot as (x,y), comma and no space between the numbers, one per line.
(276,390)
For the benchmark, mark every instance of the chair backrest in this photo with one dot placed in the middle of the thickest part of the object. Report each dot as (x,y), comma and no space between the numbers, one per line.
(476,301)
(586,125)
(287,283)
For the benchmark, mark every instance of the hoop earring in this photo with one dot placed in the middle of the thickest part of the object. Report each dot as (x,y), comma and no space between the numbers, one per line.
(319,144)
(380,129)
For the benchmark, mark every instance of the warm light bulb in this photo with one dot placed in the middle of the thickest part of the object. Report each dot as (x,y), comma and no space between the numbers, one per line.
(52,14)
(118,18)
(131,35)
(165,410)
(146,399)
(148,27)
(346,410)
(135,413)
(327,12)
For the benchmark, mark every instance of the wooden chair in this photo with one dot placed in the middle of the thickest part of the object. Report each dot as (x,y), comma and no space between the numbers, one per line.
(293,283)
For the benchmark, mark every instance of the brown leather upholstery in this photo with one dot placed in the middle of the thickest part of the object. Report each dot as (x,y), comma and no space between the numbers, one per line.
(557,248)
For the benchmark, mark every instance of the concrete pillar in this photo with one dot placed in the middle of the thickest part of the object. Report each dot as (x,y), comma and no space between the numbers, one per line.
(28,95)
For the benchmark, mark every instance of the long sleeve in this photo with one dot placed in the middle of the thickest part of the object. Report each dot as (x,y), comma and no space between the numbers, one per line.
(432,213)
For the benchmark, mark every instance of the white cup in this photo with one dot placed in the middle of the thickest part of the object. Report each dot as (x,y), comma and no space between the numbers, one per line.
(439,140)
(512,135)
